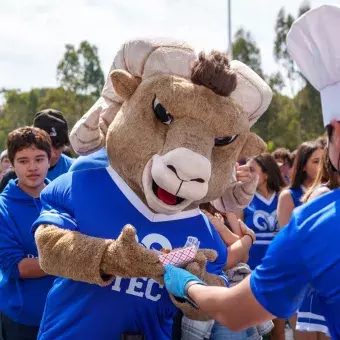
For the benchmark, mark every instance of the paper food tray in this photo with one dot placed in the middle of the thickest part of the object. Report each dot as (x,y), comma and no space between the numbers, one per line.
(180,257)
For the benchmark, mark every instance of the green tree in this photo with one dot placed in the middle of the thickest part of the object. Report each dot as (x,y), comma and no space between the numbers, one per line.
(80,71)
(282,57)
(246,50)
(20,107)
(306,103)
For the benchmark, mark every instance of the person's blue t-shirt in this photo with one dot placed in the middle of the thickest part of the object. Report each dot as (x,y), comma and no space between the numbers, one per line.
(260,216)
(22,300)
(61,167)
(77,310)
(95,160)
(304,255)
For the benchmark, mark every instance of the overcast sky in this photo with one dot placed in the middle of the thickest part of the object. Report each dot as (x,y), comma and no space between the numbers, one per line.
(33,32)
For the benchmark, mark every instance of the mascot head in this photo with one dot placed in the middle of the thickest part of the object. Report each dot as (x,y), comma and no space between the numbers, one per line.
(177,123)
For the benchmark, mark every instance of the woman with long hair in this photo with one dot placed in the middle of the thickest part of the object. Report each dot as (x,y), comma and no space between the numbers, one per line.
(260,215)
(325,181)
(304,172)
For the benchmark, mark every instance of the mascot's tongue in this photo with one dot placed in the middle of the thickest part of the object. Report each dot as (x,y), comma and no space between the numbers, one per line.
(166,197)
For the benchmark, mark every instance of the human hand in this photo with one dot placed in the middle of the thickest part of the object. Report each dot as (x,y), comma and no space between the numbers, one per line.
(175,280)
(216,220)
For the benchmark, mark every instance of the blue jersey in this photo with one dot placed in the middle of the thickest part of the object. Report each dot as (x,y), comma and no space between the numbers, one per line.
(77,310)
(260,216)
(296,194)
(95,160)
(304,255)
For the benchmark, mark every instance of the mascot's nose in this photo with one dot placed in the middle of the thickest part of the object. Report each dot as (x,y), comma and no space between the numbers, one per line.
(173,169)
(188,165)
(183,173)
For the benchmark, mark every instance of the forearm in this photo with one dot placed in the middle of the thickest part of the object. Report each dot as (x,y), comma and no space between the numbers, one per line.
(30,269)
(227,236)
(238,251)
(235,307)
(234,223)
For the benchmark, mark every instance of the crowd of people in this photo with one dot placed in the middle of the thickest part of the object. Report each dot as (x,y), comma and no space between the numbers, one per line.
(36,155)
(278,257)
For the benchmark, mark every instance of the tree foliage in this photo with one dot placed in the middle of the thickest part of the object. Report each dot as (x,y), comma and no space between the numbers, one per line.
(80,71)
(246,50)
(288,121)
(20,107)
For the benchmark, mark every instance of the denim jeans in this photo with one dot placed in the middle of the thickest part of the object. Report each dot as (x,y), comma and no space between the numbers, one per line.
(220,332)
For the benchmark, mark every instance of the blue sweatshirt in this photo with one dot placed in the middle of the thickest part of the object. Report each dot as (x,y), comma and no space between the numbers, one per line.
(78,310)
(95,160)
(22,300)
(62,166)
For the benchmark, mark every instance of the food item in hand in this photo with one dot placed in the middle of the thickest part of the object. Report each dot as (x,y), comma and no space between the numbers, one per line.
(165,251)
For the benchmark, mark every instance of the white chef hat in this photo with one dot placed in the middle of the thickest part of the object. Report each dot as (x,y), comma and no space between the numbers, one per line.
(314,44)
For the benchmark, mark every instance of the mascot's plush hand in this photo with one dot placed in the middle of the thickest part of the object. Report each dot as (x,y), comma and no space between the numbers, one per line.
(127,258)
(198,268)
(238,195)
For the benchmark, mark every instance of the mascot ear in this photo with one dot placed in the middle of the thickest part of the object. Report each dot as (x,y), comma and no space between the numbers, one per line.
(253,146)
(124,84)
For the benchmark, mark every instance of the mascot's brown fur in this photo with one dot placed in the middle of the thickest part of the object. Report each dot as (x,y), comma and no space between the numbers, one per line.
(174,141)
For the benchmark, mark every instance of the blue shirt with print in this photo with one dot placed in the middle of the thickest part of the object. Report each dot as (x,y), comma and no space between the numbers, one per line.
(101,208)
(260,216)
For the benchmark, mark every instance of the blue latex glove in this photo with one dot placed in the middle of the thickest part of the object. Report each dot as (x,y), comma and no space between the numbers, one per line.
(176,279)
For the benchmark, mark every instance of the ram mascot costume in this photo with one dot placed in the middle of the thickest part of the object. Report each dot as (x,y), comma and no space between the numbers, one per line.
(174,124)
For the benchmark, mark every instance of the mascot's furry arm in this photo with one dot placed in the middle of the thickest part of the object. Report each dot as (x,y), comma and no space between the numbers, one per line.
(95,260)
(80,257)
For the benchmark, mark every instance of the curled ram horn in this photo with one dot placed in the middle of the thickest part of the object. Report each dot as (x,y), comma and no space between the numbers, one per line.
(252,93)
(142,58)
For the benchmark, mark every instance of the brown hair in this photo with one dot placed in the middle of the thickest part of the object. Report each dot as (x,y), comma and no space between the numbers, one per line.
(283,153)
(266,162)
(325,176)
(303,154)
(24,138)
(208,207)
(213,71)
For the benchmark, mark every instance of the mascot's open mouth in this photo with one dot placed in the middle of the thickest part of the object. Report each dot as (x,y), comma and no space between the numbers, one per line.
(165,196)
(158,199)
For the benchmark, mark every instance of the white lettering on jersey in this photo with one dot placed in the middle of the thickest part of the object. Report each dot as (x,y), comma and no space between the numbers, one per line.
(116,285)
(135,284)
(264,221)
(152,239)
(140,287)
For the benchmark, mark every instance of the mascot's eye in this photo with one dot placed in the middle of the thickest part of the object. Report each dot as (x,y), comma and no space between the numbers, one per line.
(221,141)
(161,113)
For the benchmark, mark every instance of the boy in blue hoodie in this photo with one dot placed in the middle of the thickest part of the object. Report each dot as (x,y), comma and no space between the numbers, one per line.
(23,285)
